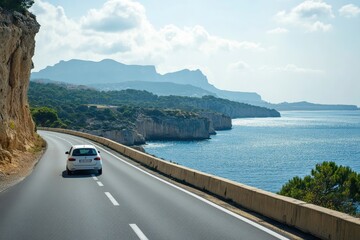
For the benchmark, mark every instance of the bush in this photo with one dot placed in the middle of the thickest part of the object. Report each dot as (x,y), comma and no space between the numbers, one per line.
(46,117)
(329,185)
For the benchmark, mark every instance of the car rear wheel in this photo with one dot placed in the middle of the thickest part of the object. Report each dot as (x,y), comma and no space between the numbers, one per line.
(68,171)
(100,171)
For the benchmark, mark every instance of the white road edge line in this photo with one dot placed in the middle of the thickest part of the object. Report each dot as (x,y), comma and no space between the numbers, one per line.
(112,199)
(62,139)
(138,232)
(100,184)
(275,234)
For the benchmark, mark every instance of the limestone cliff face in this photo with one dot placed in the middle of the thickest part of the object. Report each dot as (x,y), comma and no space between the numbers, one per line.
(159,128)
(163,128)
(218,121)
(172,128)
(127,137)
(17,43)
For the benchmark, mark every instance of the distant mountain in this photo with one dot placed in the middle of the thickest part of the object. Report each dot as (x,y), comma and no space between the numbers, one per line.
(158,88)
(109,74)
(82,72)
(306,106)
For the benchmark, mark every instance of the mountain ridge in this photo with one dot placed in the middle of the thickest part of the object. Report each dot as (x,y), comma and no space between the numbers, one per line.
(109,74)
(109,71)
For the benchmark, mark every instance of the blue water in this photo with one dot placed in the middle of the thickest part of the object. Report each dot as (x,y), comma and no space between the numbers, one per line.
(267,152)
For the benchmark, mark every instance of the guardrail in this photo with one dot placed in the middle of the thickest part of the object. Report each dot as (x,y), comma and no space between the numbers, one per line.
(318,221)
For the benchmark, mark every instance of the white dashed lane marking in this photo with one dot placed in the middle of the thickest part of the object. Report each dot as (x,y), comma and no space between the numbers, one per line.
(138,232)
(112,199)
(100,184)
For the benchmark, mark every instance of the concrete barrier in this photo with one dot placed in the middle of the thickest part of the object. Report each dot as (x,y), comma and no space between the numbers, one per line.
(318,221)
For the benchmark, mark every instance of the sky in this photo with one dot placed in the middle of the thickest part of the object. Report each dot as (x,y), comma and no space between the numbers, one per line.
(284,50)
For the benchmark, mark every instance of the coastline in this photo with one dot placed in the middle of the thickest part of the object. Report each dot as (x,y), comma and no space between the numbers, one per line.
(266,153)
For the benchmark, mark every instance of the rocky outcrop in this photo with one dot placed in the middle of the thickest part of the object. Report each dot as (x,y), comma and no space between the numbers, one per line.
(127,137)
(218,121)
(17,43)
(173,128)
(164,127)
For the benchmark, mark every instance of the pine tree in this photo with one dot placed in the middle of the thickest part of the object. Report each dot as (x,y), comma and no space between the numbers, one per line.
(329,185)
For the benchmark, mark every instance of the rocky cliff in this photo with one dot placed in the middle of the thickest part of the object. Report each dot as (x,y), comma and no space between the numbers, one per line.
(173,128)
(127,137)
(17,43)
(165,127)
(218,121)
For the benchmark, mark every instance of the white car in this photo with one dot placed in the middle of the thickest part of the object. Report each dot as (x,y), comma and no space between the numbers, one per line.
(83,157)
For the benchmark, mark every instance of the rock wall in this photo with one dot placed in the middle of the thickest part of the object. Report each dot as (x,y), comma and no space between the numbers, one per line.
(127,137)
(218,121)
(172,128)
(159,128)
(17,44)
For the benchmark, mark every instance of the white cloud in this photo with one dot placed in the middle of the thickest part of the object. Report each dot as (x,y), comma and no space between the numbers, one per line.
(320,26)
(239,66)
(198,38)
(121,30)
(278,30)
(313,9)
(290,68)
(58,34)
(309,15)
(115,16)
(349,10)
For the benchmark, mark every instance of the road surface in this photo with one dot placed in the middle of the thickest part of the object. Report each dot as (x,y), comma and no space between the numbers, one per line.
(125,202)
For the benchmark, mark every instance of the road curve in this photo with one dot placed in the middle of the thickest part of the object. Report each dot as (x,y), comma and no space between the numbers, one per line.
(125,202)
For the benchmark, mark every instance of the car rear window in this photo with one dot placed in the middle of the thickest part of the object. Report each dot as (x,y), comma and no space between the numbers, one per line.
(84,152)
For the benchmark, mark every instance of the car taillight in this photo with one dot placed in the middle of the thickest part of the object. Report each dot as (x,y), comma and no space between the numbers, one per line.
(97,158)
(71,159)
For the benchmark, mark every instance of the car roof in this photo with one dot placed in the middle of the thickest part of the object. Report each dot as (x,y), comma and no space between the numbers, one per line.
(83,146)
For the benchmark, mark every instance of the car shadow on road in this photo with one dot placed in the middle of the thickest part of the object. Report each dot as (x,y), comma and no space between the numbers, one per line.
(80,174)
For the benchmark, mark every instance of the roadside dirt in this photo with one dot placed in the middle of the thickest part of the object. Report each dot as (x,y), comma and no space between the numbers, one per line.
(20,166)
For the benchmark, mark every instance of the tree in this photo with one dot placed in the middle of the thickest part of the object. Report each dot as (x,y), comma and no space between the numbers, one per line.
(46,117)
(18,5)
(329,185)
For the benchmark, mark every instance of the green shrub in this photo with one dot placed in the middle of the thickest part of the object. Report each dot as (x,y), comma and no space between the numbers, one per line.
(46,117)
(329,185)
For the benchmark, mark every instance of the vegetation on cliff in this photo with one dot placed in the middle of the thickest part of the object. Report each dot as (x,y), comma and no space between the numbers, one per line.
(17,5)
(56,106)
(329,185)
(46,117)
(52,94)
(91,117)
(133,113)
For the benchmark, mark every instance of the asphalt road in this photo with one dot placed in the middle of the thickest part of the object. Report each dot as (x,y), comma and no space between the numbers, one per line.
(125,202)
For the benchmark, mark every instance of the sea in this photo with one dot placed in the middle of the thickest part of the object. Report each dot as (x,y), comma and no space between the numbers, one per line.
(267,152)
